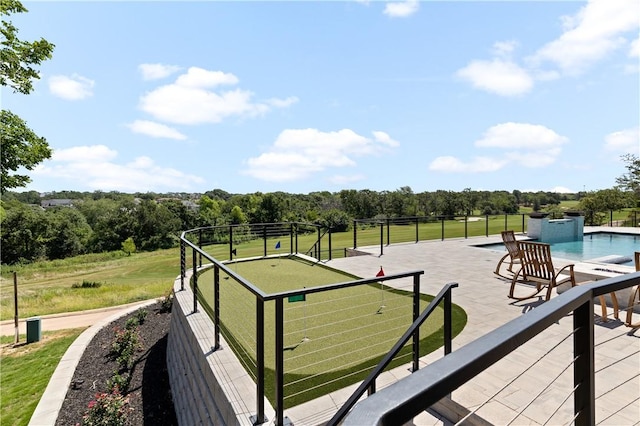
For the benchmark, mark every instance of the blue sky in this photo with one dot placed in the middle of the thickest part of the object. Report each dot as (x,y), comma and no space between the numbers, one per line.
(312,96)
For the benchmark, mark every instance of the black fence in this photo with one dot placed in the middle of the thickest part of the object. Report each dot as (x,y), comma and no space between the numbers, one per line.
(262,298)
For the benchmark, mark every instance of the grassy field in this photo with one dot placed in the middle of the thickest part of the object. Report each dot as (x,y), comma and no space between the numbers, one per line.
(26,370)
(46,287)
(333,338)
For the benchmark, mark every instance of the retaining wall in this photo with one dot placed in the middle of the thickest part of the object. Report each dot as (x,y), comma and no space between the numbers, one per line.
(209,387)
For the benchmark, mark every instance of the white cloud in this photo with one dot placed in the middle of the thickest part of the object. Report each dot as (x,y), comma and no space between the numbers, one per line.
(562,190)
(625,141)
(590,35)
(72,88)
(155,130)
(498,76)
(298,153)
(523,144)
(84,153)
(384,138)
(520,135)
(477,165)
(634,48)
(157,71)
(504,48)
(190,100)
(96,167)
(201,78)
(401,9)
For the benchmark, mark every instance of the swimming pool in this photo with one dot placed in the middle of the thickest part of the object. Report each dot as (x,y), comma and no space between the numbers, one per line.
(594,246)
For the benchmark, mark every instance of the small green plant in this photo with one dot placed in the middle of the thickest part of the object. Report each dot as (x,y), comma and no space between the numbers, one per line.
(119,382)
(124,346)
(141,314)
(166,302)
(108,409)
(87,284)
(131,323)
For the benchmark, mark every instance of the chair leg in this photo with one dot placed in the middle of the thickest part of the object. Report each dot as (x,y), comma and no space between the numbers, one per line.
(614,301)
(630,305)
(603,306)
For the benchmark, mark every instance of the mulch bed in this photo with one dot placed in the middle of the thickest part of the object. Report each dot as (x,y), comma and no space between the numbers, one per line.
(149,392)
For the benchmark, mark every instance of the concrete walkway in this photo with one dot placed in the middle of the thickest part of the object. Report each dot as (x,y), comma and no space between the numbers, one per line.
(484,298)
(70,319)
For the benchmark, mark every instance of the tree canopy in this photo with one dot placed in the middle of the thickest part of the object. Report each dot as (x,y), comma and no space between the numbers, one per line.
(20,146)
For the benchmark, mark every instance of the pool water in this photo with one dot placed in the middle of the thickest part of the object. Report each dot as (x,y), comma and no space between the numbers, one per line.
(594,246)
(598,245)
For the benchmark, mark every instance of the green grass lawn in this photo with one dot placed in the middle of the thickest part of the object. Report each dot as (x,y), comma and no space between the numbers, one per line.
(46,287)
(333,338)
(26,370)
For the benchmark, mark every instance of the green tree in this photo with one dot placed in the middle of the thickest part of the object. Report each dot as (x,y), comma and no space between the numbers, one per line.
(23,233)
(20,146)
(129,246)
(630,181)
(67,233)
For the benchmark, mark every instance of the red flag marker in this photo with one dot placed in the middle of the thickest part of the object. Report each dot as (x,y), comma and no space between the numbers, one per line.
(380,273)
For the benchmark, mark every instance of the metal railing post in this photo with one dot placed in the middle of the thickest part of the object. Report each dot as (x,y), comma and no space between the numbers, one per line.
(195,280)
(319,247)
(381,238)
(583,366)
(523,223)
(279,367)
(416,314)
(486,225)
(216,306)
(260,418)
(230,242)
(200,245)
(466,233)
(417,230)
(264,239)
(448,323)
(388,231)
(183,263)
(442,228)
(330,248)
(506,224)
(355,234)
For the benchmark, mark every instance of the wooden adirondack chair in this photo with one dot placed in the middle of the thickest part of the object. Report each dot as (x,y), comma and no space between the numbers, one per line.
(634,298)
(537,268)
(512,256)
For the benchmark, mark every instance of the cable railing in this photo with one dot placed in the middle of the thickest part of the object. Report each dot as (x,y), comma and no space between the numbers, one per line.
(298,322)
(403,400)
(369,384)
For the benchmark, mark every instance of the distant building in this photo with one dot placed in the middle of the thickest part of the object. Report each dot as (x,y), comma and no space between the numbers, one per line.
(56,202)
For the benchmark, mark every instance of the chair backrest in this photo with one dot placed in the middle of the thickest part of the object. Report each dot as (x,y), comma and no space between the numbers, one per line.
(509,239)
(637,255)
(536,261)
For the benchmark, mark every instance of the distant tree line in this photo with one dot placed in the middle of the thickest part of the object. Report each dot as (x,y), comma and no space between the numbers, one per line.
(94,222)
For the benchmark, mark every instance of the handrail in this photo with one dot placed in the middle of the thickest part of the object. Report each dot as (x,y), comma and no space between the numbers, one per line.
(403,400)
(313,246)
(384,363)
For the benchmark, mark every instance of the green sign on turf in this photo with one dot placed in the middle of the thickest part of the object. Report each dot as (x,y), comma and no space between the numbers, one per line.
(298,298)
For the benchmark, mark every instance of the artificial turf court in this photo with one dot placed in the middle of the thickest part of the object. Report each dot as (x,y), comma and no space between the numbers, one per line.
(333,338)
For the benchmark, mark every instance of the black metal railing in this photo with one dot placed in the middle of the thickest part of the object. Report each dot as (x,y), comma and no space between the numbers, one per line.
(406,398)
(369,384)
(278,298)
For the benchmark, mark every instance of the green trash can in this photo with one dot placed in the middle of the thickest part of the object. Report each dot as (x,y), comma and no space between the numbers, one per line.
(33,330)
